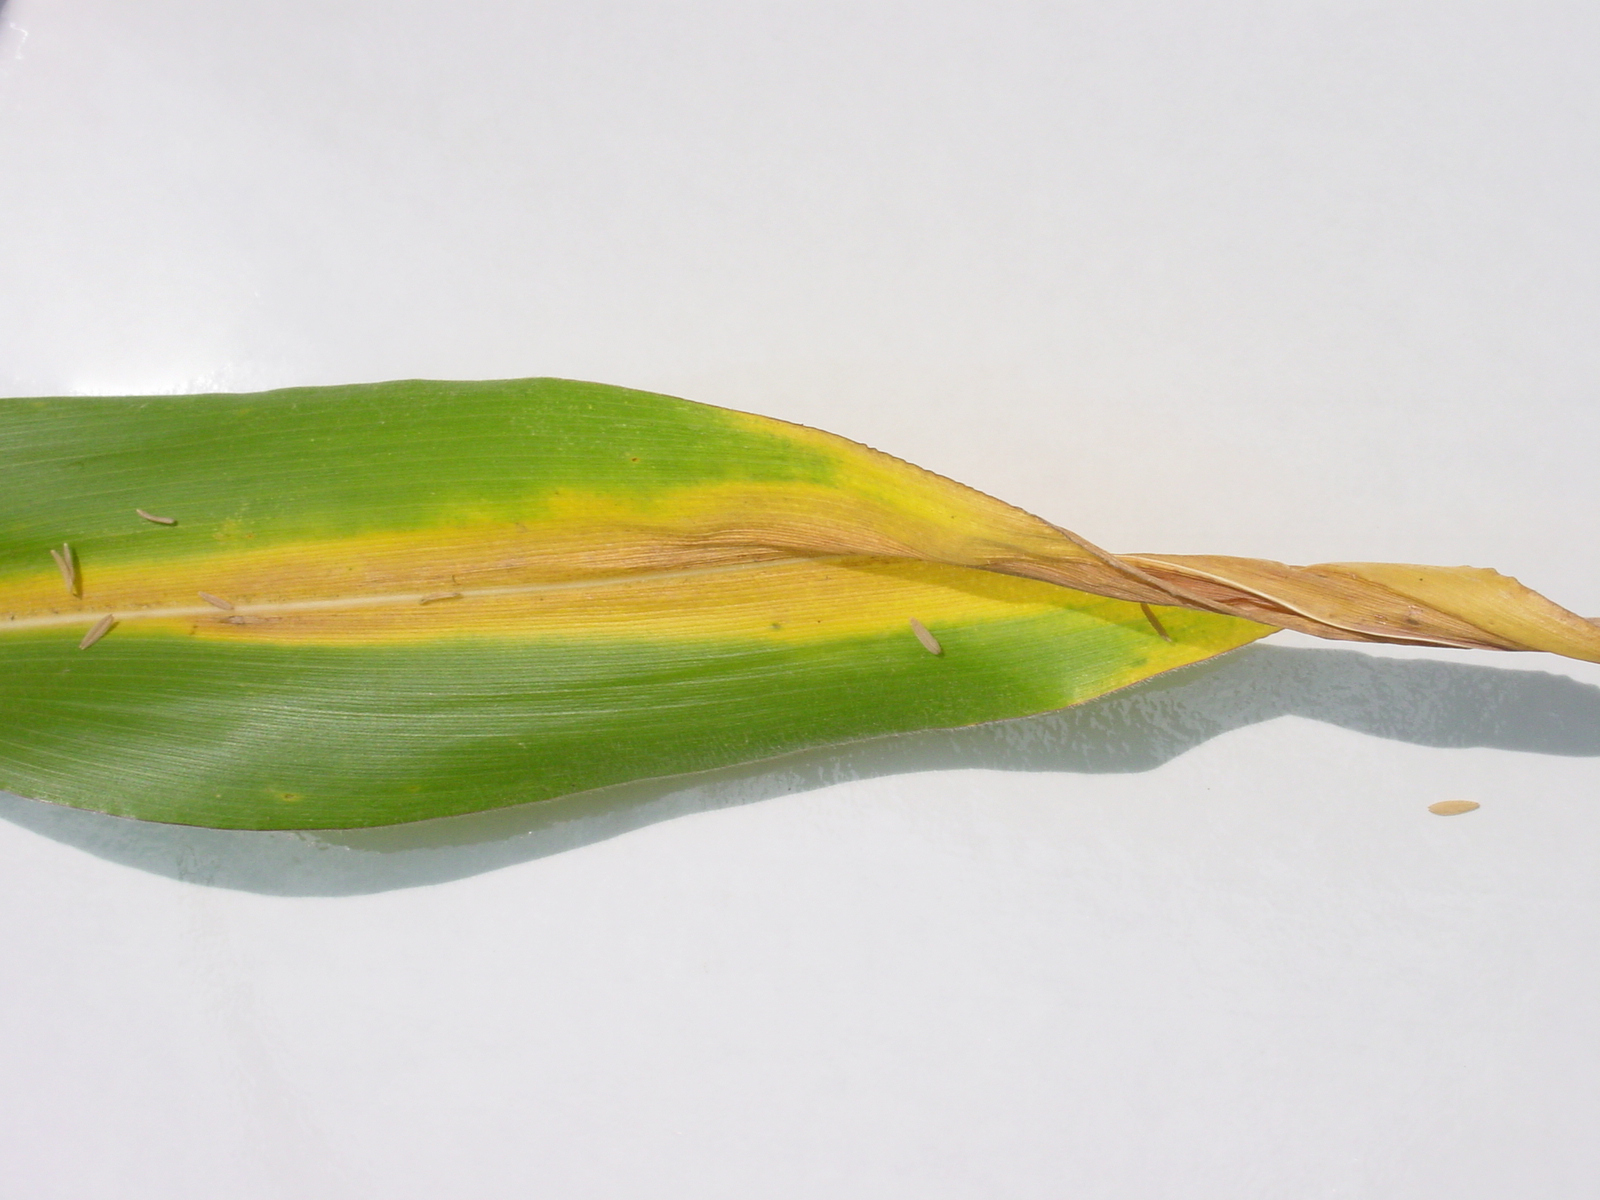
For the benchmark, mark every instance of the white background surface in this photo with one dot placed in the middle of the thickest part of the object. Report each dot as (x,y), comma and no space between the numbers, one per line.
(1304,281)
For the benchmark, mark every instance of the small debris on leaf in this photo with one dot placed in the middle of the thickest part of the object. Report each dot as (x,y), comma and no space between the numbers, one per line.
(100,629)
(1150,615)
(68,566)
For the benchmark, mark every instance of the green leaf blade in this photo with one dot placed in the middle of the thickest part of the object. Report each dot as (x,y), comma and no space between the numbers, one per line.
(451,597)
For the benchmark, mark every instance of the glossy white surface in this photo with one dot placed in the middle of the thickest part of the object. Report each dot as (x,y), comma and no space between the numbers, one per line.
(1302,281)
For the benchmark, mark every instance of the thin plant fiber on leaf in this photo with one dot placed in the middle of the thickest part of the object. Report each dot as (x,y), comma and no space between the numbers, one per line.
(371,604)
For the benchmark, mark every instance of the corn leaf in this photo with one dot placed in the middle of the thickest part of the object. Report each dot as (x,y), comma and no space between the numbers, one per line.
(354,606)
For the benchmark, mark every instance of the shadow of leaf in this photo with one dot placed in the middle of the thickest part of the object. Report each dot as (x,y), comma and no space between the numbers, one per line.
(1424,702)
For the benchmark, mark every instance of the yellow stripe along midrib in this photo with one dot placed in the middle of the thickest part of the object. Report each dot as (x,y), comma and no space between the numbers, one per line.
(563,529)
(795,600)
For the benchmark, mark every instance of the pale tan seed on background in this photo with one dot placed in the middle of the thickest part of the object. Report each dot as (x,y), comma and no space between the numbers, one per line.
(214,601)
(156,520)
(1452,808)
(929,642)
(101,628)
(440,596)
